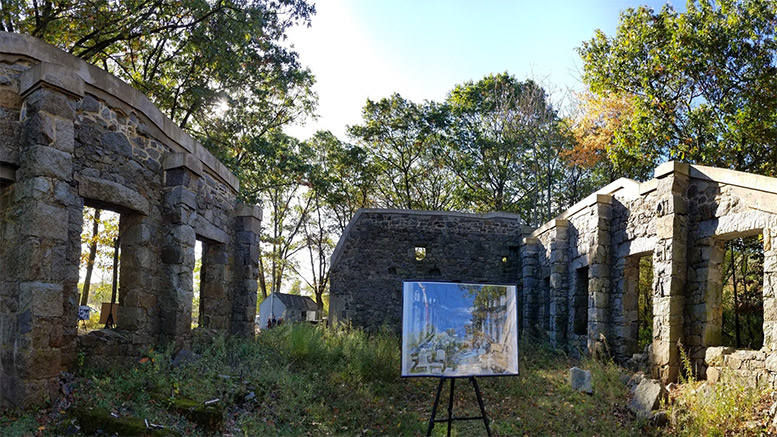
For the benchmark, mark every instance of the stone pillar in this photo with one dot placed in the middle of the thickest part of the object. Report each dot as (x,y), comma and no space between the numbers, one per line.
(138,289)
(599,278)
(669,268)
(182,174)
(770,288)
(213,288)
(704,297)
(249,218)
(530,286)
(41,243)
(559,283)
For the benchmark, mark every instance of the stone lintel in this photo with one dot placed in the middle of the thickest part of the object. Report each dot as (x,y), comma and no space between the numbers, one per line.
(648,186)
(561,223)
(53,75)
(207,230)
(244,210)
(530,240)
(672,167)
(7,174)
(604,198)
(185,160)
(110,193)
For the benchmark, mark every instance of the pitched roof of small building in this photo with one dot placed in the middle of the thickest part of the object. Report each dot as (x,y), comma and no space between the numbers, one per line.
(298,302)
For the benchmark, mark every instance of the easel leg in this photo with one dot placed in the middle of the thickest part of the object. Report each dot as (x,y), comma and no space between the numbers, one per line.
(480,403)
(434,408)
(450,406)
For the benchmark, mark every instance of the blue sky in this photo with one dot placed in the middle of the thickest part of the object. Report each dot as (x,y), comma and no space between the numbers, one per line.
(361,49)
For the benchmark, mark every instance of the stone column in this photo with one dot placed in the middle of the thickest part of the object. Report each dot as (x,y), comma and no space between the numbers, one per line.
(669,268)
(559,283)
(530,286)
(41,243)
(182,174)
(599,278)
(214,288)
(704,297)
(249,225)
(770,287)
(139,288)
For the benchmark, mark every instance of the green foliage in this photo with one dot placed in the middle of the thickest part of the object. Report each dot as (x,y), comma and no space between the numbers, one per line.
(302,379)
(400,137)
(187,56)
(701,84)
(716,410)
(504,142)
(743,276)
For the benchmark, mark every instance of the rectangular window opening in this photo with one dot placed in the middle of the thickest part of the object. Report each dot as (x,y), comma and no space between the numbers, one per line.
(581,301)
(638,302)
(645,302)
(196,283)
(99,270)
(742,274)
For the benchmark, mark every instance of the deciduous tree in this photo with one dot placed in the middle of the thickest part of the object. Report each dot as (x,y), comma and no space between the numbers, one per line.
(399,137)
(702,83)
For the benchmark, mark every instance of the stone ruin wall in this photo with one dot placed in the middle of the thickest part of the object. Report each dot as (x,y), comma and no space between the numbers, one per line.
(379,252)
(71,136)
(579,273)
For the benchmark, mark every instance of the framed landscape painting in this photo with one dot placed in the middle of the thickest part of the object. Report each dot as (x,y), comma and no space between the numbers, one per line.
(452,329)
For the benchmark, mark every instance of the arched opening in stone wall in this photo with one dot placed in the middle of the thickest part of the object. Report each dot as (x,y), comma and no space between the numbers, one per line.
(99,271)
(638,302)
(742,279)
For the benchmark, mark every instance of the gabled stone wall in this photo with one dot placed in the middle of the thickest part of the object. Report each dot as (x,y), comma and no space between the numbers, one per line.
(71,136)
(377,252)
(578,273)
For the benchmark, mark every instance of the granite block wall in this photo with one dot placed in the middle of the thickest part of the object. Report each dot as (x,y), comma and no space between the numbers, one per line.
(71,136)
(578,273)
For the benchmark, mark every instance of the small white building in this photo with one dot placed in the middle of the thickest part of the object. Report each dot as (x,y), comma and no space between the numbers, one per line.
(291,307)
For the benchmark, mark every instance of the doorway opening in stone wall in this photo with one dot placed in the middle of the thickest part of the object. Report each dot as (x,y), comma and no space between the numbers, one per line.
(196,283)
(97,272)
(742,274)
(638,301)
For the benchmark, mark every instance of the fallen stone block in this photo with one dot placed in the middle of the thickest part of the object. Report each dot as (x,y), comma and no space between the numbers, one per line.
(647,397)
(580,380)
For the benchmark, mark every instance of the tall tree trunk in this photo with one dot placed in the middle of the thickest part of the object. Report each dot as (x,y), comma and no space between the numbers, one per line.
(92,256)
(262,280)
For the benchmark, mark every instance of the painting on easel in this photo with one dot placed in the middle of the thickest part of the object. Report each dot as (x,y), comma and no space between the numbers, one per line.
(452,329)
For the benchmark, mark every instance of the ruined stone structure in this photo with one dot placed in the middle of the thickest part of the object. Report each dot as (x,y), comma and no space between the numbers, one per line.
(578,273)
(72,135)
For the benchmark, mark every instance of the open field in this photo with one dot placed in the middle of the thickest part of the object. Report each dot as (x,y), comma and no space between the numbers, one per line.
(303,380)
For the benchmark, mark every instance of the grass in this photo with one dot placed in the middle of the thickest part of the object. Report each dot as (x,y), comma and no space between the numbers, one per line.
(698,408)
(306,380)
